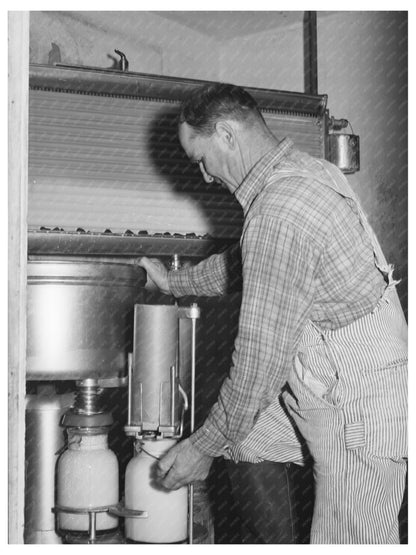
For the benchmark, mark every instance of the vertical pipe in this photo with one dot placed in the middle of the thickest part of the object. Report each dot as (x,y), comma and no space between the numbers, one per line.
(191,487)
(310,49)
(92,527)
(191,513)
(172,395)
(174,266)
(193,359)
(129,369)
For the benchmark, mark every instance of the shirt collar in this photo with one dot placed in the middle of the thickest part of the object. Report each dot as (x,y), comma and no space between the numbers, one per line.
(255,180)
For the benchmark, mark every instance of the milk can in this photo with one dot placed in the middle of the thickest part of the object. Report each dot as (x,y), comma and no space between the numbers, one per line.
(167,510)
(87,477)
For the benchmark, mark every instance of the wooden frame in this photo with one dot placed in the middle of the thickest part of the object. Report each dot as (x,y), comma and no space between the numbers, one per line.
(18,170)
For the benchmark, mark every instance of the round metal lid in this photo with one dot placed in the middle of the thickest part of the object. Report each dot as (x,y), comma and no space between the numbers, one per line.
(73,270)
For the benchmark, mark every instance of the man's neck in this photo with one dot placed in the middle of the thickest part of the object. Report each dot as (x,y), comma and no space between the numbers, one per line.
(257,148)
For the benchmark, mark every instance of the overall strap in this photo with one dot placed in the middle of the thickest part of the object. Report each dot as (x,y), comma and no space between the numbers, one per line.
(338,183)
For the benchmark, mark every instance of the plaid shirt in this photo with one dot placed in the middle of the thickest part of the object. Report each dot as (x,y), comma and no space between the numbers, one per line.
(304,256)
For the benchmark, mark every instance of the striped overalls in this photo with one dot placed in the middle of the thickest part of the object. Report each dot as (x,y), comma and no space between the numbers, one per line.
(349,400)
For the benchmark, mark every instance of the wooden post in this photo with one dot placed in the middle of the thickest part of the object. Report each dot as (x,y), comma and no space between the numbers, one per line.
(18,27)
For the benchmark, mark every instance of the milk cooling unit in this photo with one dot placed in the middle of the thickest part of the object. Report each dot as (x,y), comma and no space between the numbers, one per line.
(88,326)
(108,182)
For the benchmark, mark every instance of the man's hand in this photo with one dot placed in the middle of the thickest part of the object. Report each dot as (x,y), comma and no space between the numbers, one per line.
(157,272)
(183,464)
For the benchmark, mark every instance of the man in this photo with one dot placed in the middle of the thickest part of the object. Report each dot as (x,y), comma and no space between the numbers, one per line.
(321,331)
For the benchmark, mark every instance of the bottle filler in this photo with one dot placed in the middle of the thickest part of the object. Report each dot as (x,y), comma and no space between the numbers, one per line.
(115,334)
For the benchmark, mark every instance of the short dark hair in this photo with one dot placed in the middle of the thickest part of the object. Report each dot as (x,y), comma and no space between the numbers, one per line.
(208,104)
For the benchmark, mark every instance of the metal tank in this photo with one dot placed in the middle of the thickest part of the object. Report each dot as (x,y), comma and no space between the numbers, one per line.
(44,441)
(80,318)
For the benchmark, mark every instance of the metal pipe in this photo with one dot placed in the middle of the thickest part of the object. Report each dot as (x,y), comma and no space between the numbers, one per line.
(193,359)
(172,395)
(92,528)
(310,53)
(129,370)
(193,367)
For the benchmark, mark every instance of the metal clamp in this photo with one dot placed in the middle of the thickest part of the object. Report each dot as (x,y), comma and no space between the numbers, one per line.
(191,312)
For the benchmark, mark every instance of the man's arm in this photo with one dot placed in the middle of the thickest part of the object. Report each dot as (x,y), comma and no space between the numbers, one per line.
(279,266)
(216,275)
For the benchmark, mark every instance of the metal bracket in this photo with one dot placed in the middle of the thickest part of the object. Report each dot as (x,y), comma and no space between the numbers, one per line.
(115,510)
(121,511)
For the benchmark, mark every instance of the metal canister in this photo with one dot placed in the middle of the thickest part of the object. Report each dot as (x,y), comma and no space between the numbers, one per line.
(155,400)
(344,151)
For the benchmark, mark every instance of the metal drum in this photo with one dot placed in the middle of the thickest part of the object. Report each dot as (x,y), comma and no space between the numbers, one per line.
(80,318)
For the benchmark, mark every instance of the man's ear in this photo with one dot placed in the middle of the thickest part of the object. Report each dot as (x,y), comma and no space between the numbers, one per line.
(226,133)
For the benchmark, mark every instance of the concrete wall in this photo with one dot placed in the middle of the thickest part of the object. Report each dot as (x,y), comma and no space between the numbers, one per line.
(272,59)
(362,66)
(363,69)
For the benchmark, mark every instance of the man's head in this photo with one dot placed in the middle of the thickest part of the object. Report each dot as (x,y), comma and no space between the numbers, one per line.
(220,129)
(218,101)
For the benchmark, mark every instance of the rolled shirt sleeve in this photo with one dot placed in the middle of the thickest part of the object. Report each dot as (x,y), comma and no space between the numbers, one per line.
(217,275)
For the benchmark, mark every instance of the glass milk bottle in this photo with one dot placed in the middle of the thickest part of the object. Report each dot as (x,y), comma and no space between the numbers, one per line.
(87,477)
(167,510)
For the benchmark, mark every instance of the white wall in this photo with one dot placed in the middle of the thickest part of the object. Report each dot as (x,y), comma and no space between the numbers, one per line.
(272,59)
(151,43)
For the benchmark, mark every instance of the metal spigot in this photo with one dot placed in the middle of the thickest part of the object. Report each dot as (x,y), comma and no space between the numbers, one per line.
(123,64)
